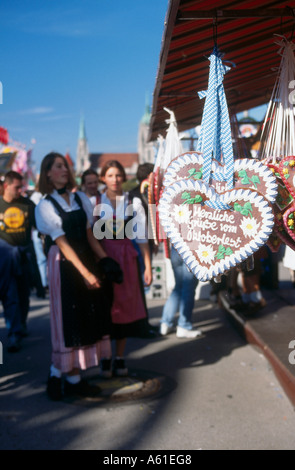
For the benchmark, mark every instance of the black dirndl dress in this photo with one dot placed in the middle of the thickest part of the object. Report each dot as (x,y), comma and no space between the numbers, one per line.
(86,313)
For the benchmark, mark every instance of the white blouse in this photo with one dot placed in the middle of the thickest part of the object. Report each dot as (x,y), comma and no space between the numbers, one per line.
(48,220)
(136,228)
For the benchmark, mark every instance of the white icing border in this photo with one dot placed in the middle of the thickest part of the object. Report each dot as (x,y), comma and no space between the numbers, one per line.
(170,175)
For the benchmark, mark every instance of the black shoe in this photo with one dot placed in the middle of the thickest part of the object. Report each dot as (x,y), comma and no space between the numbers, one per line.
(54,388)
(14,343)
(151,333)
(119,368)
(105,368)
(82,389)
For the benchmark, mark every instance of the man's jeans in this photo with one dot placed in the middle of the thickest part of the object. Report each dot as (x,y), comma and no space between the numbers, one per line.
(182,297)
(9,269)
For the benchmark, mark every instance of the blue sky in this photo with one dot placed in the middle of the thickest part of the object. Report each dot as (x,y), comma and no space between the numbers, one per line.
(61,59)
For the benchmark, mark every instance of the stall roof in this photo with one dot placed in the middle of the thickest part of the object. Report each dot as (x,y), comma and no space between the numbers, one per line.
(245,32)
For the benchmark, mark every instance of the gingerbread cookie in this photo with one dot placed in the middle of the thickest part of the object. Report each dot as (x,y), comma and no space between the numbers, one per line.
(248,173)
(289,221)
(211,241)
(287,172)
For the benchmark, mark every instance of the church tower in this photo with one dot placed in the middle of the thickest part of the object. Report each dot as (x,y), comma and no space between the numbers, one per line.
(82,160)
(145,149)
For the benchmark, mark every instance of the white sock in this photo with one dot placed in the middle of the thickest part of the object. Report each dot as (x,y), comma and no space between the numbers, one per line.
(73,379)
(54,372)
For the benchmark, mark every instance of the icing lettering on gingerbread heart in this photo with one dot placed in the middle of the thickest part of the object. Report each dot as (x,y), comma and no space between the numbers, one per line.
(212,241)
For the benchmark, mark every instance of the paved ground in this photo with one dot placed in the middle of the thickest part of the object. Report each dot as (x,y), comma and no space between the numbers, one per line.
(216,393)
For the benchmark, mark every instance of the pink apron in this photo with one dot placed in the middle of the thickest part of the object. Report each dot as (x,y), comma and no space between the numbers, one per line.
(128,305)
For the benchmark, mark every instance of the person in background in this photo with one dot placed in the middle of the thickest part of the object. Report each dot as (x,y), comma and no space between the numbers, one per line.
(115,228)
(16,222)
(289,263)
(142,174)
(80,290)
(181,299)
(89,183)
(41,259)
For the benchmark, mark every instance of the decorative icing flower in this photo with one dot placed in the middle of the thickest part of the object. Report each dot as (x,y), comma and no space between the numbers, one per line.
(292,163)
(285,171)
(182,214)
(206,253)
(249,227)
(291,223)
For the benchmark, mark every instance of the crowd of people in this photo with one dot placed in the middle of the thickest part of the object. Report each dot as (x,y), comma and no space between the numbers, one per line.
(91,254)
(95,284)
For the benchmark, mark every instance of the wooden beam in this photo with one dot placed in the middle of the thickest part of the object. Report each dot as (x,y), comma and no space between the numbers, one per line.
(218,13)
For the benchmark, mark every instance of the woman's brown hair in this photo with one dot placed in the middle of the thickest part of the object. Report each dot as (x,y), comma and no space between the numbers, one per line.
(113,164)
(45,185)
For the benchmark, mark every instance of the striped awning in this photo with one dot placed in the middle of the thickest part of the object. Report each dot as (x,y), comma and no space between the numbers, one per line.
(244,31)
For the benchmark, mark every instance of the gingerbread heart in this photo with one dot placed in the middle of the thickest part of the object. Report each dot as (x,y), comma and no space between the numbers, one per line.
(152,207)
(280,231)
(283,201)
(274,242)
(287,172)
(289,221)
(157,182)
(186,165)
(248,173)
(284,197)
(211,241)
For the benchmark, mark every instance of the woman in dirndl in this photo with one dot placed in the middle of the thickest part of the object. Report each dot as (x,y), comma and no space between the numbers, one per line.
(119,222)
(80,295)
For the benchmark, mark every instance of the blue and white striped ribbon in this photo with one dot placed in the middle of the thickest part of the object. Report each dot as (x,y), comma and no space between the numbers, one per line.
(215,134)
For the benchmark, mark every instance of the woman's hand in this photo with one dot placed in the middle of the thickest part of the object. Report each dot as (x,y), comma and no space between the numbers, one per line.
(92,281)
(147,277)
